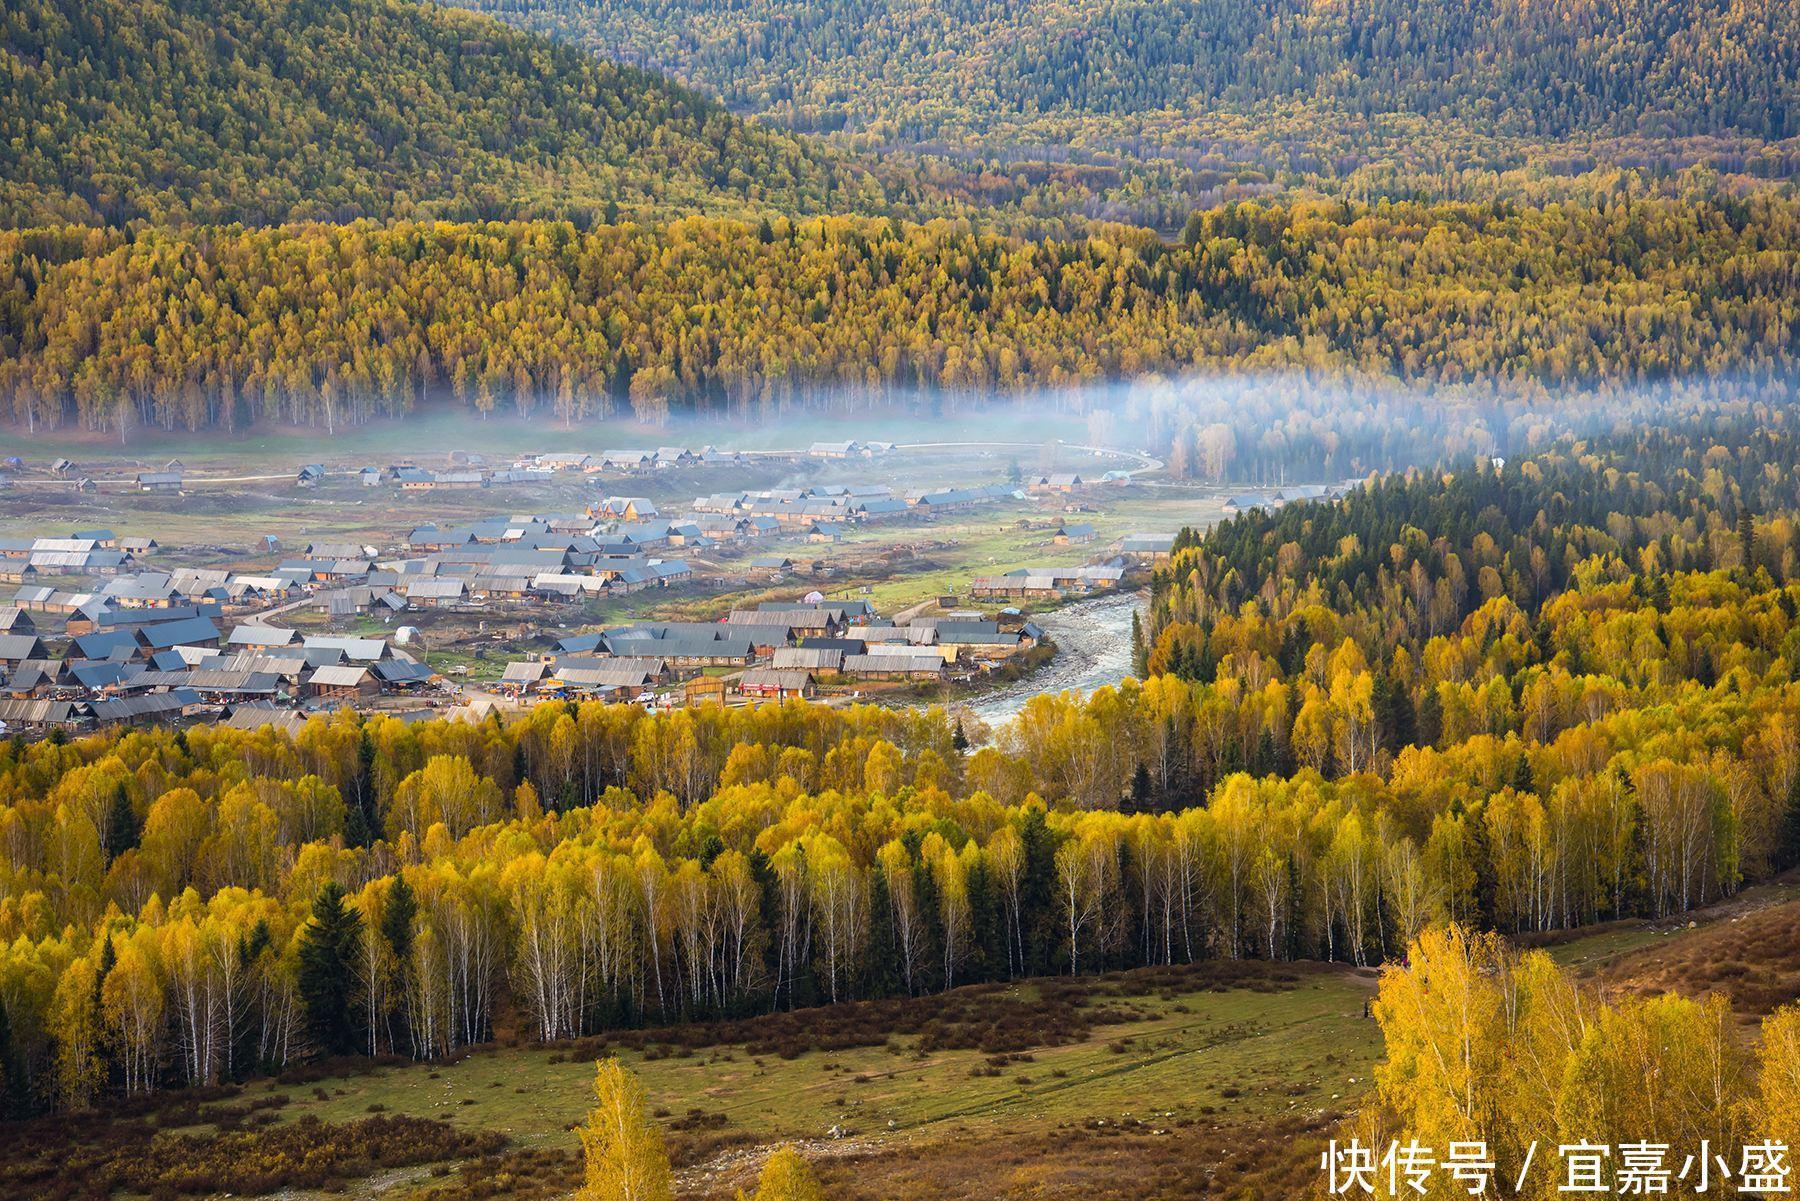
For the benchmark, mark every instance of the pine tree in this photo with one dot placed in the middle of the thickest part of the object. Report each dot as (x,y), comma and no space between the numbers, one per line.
(327,957)
(881,976)
(121,824)
(398,913)
(1140,650)
(987,925)
(356,826)
(1141,798)
(1787,843)
(12,1073)
(1266,753)
(109,957)
(624,1153)
(1037,890)
(359,824)
(1523,779)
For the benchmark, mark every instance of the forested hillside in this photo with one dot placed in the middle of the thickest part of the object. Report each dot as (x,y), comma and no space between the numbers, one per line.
(1666,67)
(1575,700)
(1188,99)
(263,111)
(226,327)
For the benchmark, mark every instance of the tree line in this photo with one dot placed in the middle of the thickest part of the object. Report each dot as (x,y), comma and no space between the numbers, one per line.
(191,910)
(328,325)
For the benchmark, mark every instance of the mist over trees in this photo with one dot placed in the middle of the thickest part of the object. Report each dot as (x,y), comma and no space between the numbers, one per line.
(338,324)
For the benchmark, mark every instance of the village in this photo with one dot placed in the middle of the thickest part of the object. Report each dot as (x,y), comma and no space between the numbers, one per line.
(730,596)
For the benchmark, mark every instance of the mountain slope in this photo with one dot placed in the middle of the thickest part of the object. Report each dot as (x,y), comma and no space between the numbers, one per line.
(1190,96)
(264,111)
(1672,66)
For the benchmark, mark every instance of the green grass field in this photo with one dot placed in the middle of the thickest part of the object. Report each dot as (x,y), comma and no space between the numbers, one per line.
(1179,1053)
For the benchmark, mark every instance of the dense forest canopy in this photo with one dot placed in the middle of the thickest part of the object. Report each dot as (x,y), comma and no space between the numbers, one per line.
(224,212)
(1669,67)
(261,111)
(1117,108)
(1575,700)
(223,327)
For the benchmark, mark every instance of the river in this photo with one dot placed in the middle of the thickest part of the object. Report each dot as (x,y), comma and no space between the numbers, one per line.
(1093,647)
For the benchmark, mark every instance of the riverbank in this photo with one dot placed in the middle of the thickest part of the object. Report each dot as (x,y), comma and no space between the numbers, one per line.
(1093,647)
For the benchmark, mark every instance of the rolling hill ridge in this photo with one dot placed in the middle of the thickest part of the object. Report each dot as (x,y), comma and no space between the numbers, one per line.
(260,112)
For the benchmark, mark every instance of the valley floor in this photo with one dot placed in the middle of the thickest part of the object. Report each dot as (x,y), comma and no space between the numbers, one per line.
(1217,1079)
(1207,1079)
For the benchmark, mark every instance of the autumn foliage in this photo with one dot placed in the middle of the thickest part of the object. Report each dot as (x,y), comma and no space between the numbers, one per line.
(330,325)
(1574,703)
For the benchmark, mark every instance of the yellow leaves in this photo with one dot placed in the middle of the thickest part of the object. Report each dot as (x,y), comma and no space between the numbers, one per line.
(176,825)
(623,1152)
(706,299)
(133,1003)
(1444,1020)
(1485,1042)
(75,1023)
(447,792)
(786,1176)
(1777,1113)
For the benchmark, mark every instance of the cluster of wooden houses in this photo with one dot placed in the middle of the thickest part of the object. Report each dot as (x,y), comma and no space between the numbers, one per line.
(777,510)
(84,552)
(1028,583)
(146,648)
(472,469)
(469,469)
(632,461)
(1276,498)
(1056,483)
(776,650)
(525,558)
